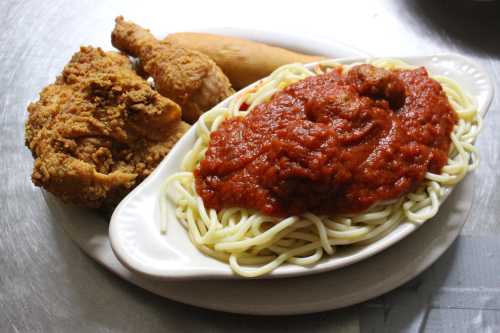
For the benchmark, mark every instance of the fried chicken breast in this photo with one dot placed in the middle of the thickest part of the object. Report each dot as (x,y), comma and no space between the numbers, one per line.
(99,130)
(188,77)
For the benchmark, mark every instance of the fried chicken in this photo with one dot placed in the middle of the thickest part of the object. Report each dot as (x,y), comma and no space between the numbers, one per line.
(99,130)
(188,77)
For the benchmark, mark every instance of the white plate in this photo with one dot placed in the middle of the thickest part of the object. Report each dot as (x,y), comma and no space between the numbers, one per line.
(320,292)
(134,227)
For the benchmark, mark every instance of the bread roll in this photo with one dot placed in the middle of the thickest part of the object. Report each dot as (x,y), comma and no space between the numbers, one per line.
(243,61)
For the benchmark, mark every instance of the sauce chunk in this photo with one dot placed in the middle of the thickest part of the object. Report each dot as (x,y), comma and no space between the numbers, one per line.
(332,143)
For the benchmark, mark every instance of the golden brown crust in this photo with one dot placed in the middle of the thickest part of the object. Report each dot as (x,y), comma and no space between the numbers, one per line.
(99,130)
(188,77)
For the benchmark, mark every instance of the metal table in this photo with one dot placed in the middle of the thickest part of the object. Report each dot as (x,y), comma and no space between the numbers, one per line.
(48,284)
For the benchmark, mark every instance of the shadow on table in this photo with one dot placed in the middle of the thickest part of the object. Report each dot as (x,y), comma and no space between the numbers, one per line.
(407,308)
(473,24)
(153,313)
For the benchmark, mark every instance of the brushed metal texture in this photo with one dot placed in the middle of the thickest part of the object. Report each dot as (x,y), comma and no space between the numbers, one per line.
(48,285)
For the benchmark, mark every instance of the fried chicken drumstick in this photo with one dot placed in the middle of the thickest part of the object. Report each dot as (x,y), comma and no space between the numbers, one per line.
(99,130)
(189,78)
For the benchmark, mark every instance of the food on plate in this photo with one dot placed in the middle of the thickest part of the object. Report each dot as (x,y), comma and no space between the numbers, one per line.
(243,61)
(309,160)
(99,130)
(188,77)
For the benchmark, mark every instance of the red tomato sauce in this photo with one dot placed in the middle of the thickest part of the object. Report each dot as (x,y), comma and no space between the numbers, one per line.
(332,143)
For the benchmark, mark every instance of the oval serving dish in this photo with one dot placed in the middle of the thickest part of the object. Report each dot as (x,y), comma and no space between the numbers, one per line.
(135,224)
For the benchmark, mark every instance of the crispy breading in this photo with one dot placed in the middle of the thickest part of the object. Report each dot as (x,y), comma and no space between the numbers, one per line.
(99,130)
(188,77)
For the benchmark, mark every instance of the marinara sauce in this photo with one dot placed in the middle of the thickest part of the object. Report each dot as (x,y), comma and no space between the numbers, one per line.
(332,143)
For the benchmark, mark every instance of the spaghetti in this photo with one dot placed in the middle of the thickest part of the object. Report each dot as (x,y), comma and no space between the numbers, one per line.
(255,244)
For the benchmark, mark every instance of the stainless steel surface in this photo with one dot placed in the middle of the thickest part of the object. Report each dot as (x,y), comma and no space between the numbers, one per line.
(48,284)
